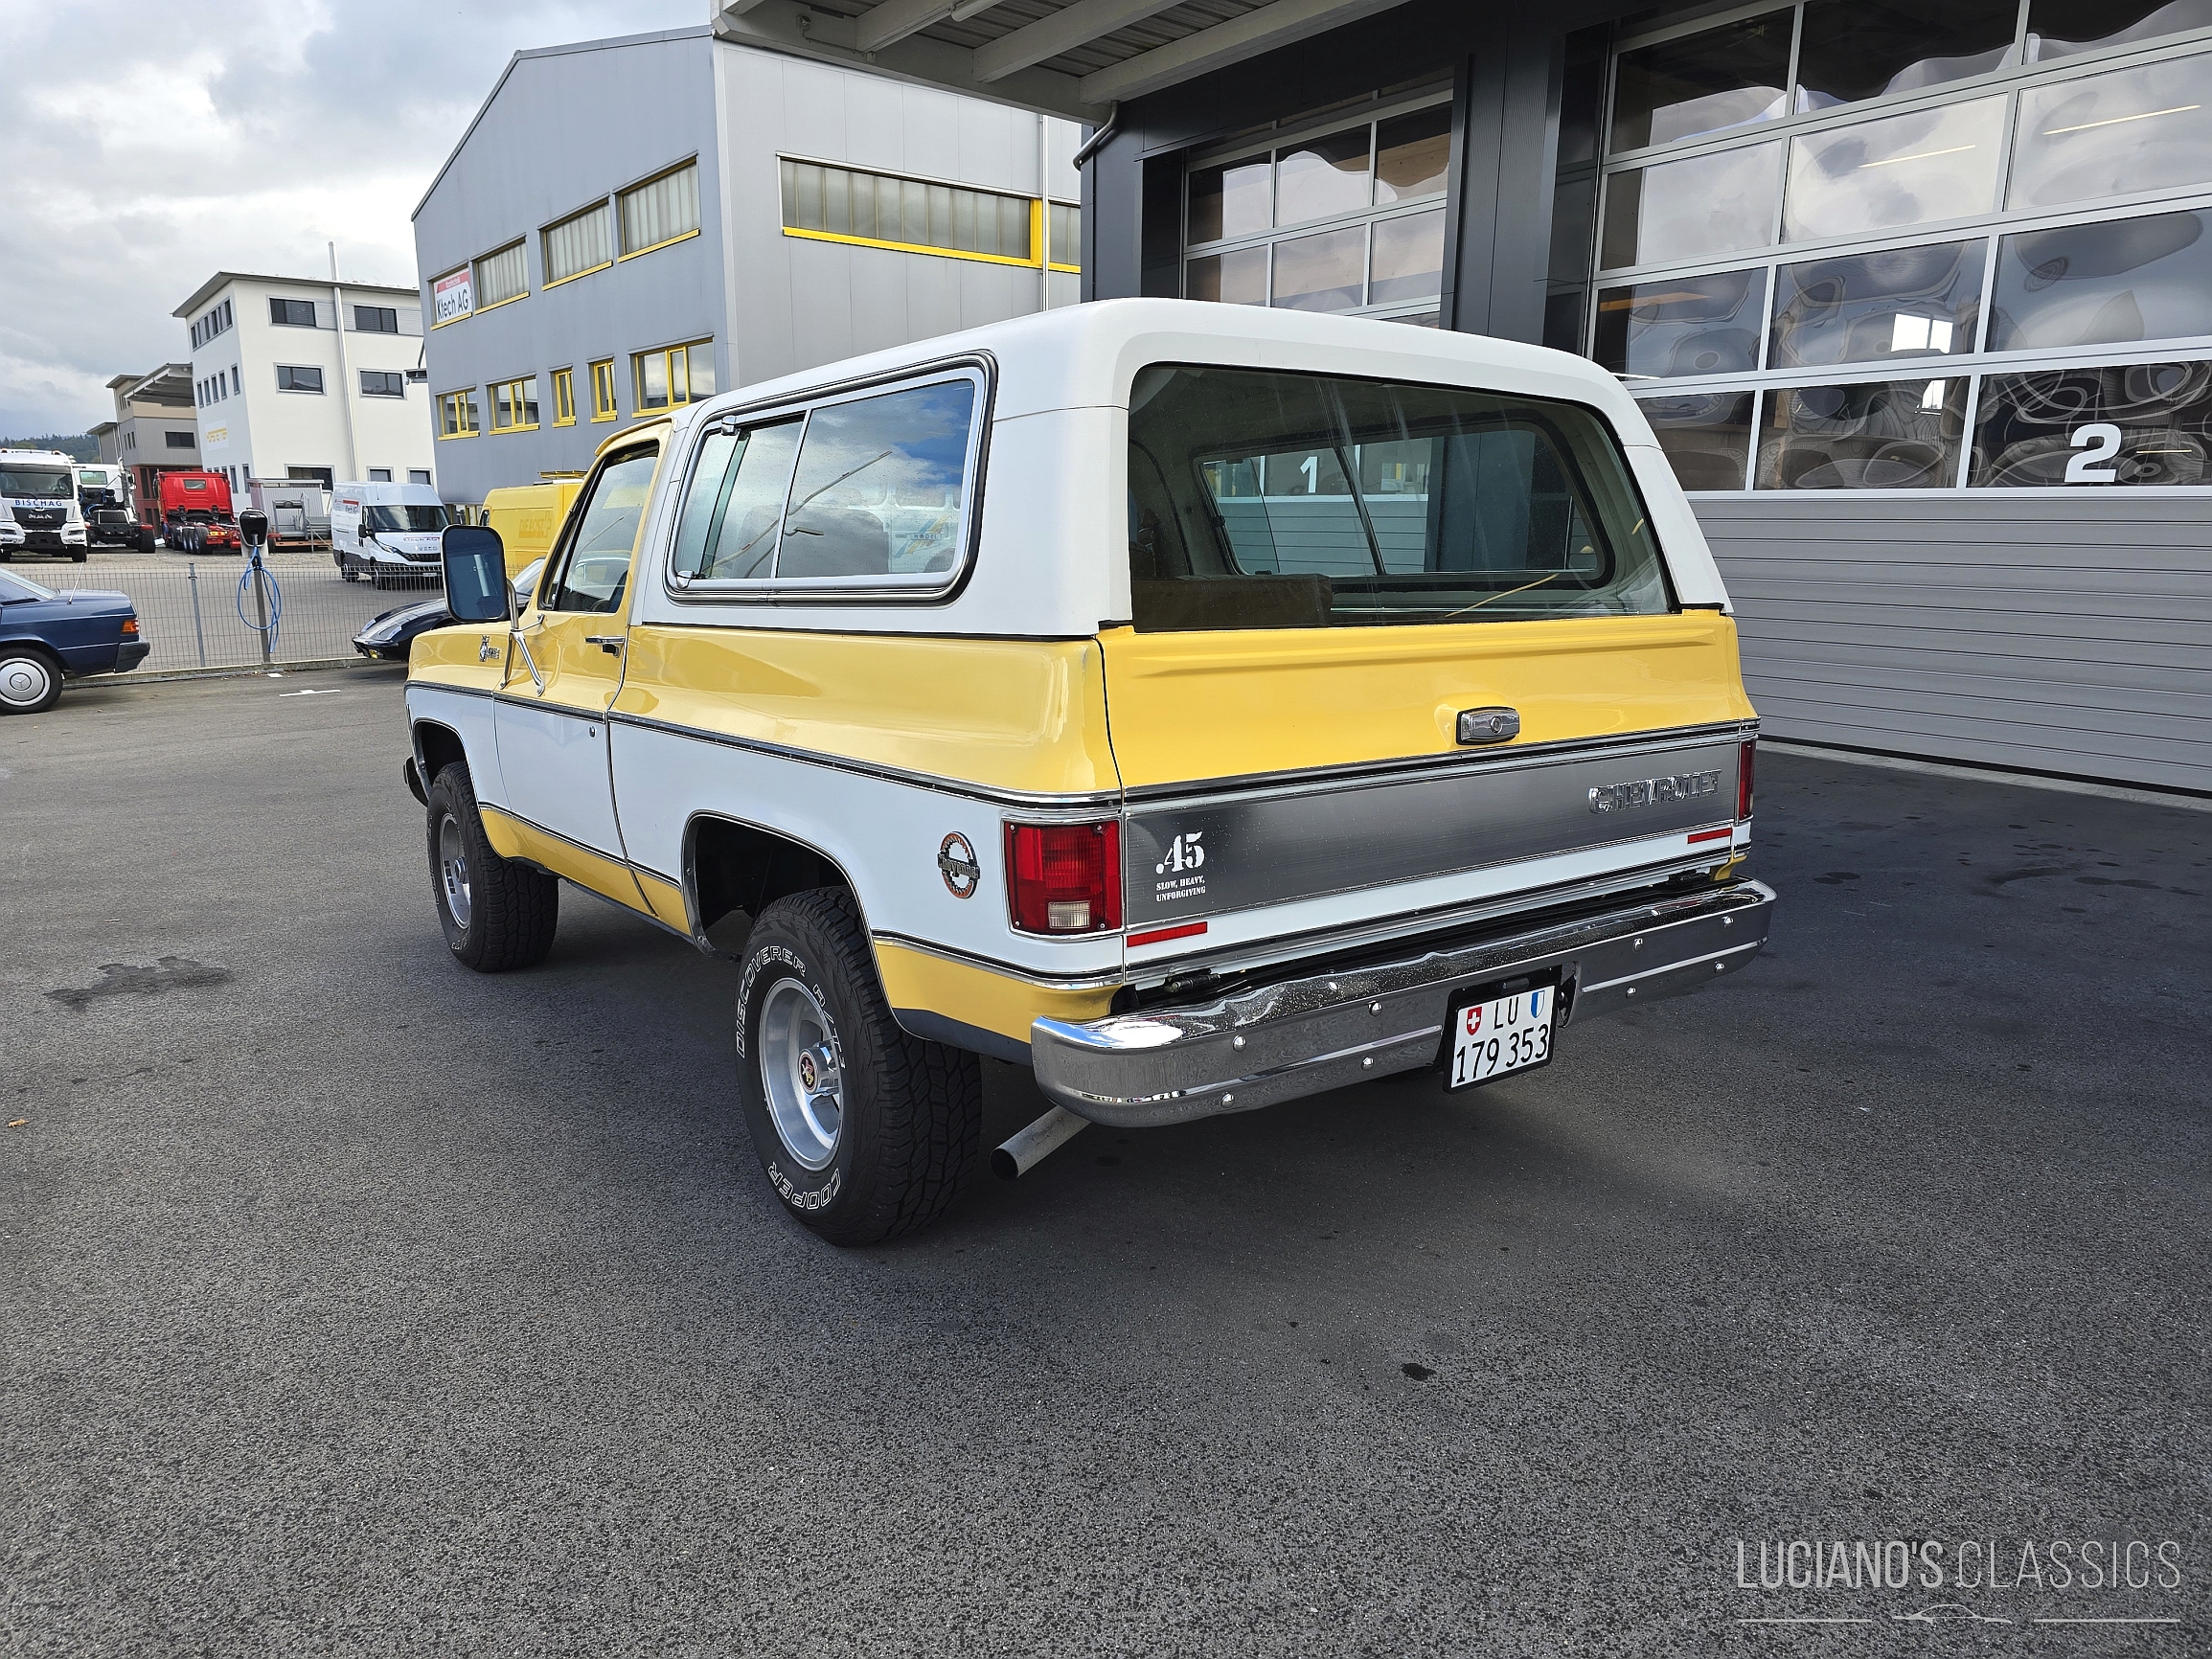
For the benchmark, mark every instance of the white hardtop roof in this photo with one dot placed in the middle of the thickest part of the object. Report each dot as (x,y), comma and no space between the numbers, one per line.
(1087,355)
(45,458)
(383,489)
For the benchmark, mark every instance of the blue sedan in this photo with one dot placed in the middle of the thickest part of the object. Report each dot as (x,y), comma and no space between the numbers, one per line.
(46,637)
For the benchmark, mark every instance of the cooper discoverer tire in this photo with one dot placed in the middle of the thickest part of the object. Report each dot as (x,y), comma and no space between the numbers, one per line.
(497,915)
(863,1129)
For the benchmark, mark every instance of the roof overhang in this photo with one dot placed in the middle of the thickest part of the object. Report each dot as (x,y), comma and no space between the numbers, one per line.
(170,385)
(1077,58)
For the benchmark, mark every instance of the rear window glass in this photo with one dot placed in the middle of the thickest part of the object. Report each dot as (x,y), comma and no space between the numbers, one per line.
(872,491)
(1271,500)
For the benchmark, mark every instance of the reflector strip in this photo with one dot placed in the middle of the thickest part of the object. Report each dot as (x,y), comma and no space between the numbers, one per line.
(1159,935)
(1710,835)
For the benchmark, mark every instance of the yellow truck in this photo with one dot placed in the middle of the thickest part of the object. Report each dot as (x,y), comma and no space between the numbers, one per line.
(528,516)
(1201,706)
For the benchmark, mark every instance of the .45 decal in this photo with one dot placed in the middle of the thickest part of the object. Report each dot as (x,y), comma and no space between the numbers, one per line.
(1184,853)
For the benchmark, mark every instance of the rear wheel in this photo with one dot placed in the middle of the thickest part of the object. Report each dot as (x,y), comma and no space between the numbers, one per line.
(497,914)
(863,1129)
(29,680)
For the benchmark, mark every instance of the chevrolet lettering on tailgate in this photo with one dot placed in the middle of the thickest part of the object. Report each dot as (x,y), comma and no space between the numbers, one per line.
(1427,738)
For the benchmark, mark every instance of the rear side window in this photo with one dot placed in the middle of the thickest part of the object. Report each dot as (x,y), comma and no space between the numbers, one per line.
(866,492)
(1271,500)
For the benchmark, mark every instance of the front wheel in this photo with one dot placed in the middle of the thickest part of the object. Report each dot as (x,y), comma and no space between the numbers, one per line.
(863,1129)
(498,915)
(29,680)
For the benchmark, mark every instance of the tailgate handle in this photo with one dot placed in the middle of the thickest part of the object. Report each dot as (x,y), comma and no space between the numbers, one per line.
(1489,725)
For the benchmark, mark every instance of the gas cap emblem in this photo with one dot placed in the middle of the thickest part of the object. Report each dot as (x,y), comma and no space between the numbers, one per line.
(956,864)
(1489,725)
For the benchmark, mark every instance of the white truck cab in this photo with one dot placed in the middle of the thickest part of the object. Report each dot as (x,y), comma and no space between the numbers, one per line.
(38,509)
(386,532)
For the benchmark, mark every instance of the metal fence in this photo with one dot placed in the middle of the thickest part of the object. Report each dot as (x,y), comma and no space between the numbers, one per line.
(201,613)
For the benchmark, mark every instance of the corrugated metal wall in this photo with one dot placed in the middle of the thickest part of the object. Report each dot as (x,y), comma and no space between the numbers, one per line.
(2061,634)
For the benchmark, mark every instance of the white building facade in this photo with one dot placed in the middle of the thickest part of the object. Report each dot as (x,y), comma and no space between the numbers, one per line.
(299,378)
(751,213)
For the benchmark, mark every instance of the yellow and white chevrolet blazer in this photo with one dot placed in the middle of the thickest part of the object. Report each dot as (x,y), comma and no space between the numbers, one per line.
(1200,706)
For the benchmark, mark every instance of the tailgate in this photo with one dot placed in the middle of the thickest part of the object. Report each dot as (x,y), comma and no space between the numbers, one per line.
(1294,781)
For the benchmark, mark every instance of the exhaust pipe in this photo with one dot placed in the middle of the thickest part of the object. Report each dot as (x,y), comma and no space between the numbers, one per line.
(1021,1152)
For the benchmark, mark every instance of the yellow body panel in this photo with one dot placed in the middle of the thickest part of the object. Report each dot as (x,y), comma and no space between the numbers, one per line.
(528,516)
(1025,715)
(511,837)
(1192,706)
(665,898)
(454,656)
(977,996)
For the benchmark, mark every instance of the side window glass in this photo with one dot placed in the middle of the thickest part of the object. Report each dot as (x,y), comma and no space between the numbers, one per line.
(879,489)
(728,530)
(595,566)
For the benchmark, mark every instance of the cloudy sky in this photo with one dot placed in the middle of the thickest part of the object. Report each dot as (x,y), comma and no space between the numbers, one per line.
(144,147)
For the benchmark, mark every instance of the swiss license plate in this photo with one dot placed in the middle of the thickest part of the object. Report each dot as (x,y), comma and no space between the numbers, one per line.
(1512,1033)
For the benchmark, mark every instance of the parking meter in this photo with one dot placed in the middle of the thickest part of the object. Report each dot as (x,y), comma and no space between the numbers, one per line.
(253,531)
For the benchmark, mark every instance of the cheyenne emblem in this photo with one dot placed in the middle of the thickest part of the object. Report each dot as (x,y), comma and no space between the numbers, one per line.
(956,863)
(1654,791)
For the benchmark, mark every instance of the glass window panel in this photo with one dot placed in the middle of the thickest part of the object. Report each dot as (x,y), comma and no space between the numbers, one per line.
(1229,201)
(1704,82)
(701,359)
(2132,129)
(1321,273)
(597,564)
(501,276)
(1692,209)
(661,209)
(1322,176)
(880,486)
(1408,258)
(2131,424)
(1906,170)
(1855,48)
(1903,302)
(1419,319)
(652,381)
(2061,27)
(1706,436)
(526,400)
(1705,325)
(1410,155)
(2138,279)
(728,531)
(1238,277)
(1877,435)
(580,245)
(1460,505)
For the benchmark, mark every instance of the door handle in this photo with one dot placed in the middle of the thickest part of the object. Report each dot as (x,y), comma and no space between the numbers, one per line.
(610,643)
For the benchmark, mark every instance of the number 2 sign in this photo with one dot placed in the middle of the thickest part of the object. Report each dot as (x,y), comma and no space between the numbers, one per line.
(2097,441)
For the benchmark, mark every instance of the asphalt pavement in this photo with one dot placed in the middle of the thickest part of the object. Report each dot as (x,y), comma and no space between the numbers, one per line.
(357,1303)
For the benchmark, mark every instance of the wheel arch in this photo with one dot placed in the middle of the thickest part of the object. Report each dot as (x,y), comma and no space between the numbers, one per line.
(437,746)
(731,863)
(40,648)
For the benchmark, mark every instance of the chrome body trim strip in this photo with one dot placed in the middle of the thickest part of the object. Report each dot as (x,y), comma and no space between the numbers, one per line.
(1300,1036)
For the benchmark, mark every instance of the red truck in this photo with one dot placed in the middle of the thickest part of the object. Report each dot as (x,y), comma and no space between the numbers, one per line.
(195,512)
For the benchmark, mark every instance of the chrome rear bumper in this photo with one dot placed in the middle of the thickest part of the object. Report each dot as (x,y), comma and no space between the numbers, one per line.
(1301,1036)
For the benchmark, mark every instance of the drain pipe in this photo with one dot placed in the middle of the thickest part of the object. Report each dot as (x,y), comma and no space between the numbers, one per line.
(1019,1153)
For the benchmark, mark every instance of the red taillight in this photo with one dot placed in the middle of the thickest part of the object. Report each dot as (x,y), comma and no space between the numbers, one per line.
(1746,755)
(1064,878)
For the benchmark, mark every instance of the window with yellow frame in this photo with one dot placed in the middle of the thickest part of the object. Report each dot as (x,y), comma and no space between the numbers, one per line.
(565,397)
(457,414)
(602,404)
(842,204)
(514,405)
(673,376)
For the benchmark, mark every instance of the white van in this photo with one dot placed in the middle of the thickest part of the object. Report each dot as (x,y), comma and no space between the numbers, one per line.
(386,532)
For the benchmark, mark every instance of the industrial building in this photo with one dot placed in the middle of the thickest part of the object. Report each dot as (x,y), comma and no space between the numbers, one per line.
(1918,298)
(154,430)
(750,212)
(303,377)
